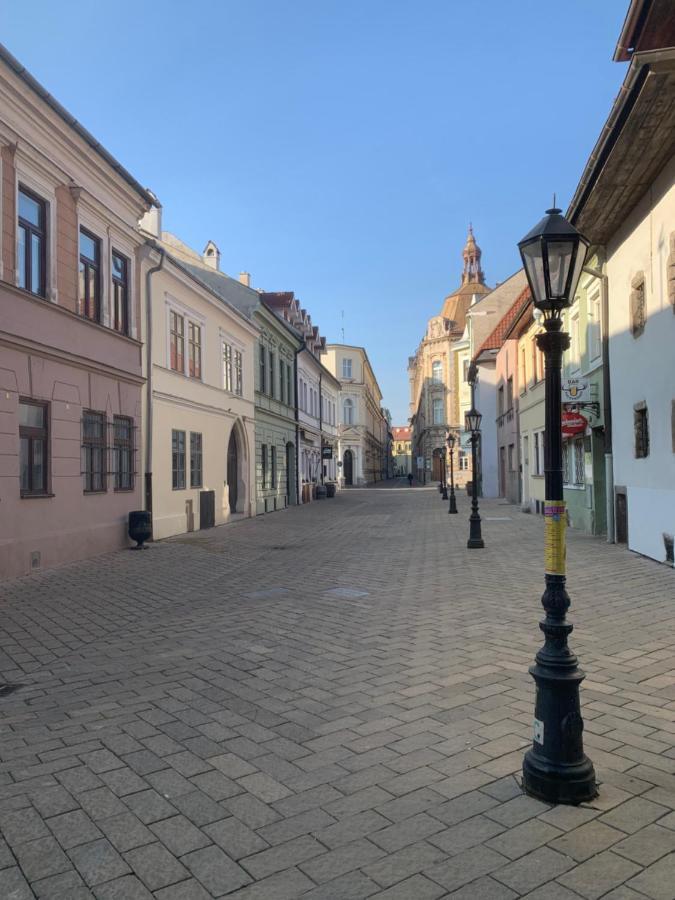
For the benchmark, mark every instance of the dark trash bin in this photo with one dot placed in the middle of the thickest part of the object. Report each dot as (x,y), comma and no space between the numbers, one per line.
(140,527)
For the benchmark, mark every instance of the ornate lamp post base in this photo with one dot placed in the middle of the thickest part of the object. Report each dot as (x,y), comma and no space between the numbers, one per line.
(453,502)
(572,783)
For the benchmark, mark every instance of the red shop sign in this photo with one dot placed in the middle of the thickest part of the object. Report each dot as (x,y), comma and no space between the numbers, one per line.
(573,423)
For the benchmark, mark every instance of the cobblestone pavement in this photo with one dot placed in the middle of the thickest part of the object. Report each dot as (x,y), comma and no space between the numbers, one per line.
(331,702)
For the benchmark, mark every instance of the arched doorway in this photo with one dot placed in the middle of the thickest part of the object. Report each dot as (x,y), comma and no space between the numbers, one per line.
(348,467)
(290,474)
(437,463)
(233,471)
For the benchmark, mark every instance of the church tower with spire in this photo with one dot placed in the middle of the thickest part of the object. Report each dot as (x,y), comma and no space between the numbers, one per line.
(471,255)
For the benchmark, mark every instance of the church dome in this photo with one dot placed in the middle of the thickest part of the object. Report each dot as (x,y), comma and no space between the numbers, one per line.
(456,304)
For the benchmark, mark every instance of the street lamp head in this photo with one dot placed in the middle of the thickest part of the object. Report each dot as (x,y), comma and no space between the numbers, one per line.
(473,419)
(553,255)
(450,440)
(472,373)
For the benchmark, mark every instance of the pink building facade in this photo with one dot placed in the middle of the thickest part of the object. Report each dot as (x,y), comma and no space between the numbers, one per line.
(70,354)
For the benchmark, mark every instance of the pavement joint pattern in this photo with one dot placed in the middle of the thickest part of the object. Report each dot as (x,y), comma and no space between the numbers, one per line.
(331,703)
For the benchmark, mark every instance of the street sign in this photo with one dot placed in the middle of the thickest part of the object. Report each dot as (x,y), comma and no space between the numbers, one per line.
(326,453)
(576,390)
(420,462)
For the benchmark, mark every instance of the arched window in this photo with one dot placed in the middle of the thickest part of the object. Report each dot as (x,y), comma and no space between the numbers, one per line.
(437,371)
(348,412)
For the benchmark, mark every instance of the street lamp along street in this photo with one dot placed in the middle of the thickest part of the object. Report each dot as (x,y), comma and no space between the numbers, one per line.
(556,768)
(472,420)
(450,440)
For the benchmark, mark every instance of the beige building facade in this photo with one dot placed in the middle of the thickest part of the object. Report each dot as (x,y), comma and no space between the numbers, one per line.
(363,427)
(199,435)
(437,374)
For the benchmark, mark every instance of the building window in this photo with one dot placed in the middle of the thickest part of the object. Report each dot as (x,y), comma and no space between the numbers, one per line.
(538,452)
(304,396)
(227,367)
(33,448)
(273,467)
(123,453)
(579,463)
(32,242)
(509,393)
(575,349)
(437,371)
(194,350)
(465,371)
(263,465)
(463,461)
(641,428)
(178,460)
(90,276)
(271,368)
(238,373)
(120,293)
(282,380)
(346,368)
(177,341)
(512,466)
(348,412)
(263,367)
(437,410)
(594,327)
(93,450)
(195,460)
(638,313)
(289,387)
(500,400)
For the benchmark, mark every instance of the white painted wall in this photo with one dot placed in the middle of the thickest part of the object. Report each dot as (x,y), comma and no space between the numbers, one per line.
(486,404)
(643,368)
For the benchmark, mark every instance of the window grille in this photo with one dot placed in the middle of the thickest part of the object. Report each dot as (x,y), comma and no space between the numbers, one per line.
(579,464)
(178,460)
(195,459)
(94,449)
(123,455)
(641,428)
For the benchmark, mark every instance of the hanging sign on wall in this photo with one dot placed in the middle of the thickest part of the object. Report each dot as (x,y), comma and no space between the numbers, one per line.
(573,423)
(576,390)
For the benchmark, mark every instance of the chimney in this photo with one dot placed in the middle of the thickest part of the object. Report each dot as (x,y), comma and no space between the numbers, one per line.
(211,256)
(151,221)
(245,278)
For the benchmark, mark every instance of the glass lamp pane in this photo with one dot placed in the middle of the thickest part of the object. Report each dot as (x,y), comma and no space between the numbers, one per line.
(559,261)
(534,267)
(582,249)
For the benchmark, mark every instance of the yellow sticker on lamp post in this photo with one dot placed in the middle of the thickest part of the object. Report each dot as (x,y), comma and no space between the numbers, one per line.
(555,522)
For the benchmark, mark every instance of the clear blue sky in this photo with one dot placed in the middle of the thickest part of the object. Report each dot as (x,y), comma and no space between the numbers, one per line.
(339,148)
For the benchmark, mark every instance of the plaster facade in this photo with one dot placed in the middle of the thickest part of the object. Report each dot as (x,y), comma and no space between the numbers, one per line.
(70,352)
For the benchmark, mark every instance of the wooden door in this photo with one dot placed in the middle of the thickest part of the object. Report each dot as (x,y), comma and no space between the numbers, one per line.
(348,464)
(233,471)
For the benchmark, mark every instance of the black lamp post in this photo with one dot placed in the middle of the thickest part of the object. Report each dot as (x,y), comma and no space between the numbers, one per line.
(452,508)
(555,768)
(473,419)
(444,474)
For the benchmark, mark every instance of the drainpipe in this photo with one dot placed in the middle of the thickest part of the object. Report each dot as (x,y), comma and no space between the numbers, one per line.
(148,383)
(321,422)
(297,426)
(606,400)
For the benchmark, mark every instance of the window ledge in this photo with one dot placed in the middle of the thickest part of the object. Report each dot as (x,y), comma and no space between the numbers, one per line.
(128,490)
(90,493)
(37,496)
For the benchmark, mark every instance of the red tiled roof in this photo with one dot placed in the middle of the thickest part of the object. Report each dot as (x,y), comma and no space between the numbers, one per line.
(401,432)
(496,338)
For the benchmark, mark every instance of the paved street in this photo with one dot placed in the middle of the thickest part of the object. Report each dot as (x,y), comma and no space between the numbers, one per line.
(220,716)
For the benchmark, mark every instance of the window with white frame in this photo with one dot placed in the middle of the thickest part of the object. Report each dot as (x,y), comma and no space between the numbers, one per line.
(346,368)
(575,349)
(463,458)
(594,327)
(185,343)
(437,411)
(538,452)
(194,350)
(348,411)
(228,370)
(437,371)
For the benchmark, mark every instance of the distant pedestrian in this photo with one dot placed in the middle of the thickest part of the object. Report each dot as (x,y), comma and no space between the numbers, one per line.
(410,479)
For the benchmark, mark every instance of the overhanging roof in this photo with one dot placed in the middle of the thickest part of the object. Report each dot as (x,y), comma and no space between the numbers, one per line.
(636,142)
